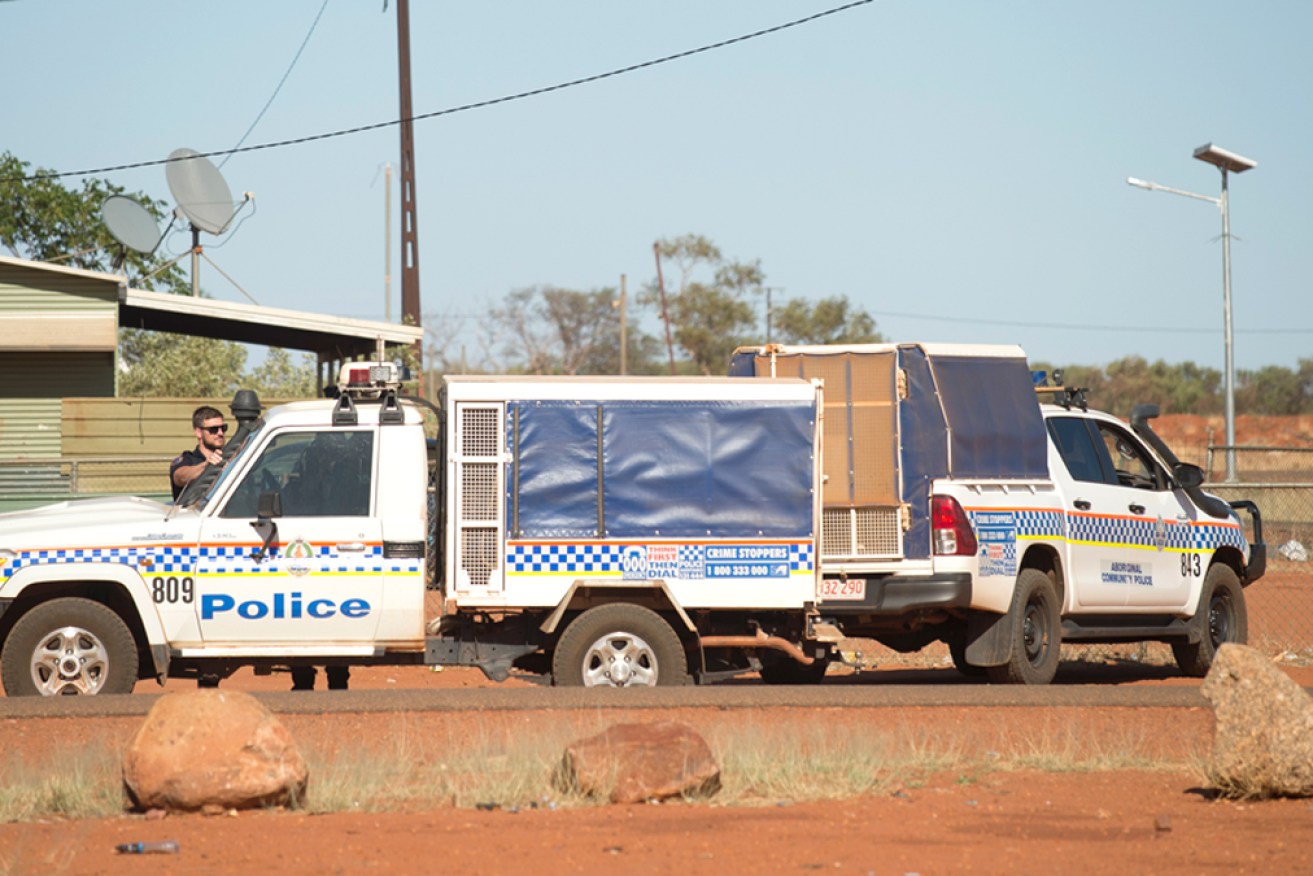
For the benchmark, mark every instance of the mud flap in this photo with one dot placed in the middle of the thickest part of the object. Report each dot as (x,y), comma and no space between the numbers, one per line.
(989,638)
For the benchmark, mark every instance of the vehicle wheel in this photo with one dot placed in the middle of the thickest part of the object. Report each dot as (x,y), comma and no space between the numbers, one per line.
(780,669)
(1036,633)
(1225,619)
(69,646)
(619,645)
(957,649)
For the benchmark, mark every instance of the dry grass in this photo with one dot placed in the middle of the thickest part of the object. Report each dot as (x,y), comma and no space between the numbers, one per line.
(763,762)
(87,784)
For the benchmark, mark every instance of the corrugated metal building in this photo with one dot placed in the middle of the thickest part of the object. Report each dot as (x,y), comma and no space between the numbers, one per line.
(59,347)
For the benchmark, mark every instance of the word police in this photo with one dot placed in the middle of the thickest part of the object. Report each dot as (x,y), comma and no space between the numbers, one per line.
(281,607)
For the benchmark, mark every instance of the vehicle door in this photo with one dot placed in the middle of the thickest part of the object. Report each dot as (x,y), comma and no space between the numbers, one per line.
(1117,515)
(1160,518)
(319,582)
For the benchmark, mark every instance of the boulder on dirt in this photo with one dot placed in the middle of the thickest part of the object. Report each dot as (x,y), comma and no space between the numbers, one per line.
(215,748)
(631,763)
(1263,736)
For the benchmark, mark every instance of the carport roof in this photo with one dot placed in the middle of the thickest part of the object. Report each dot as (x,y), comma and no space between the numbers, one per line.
(331,337)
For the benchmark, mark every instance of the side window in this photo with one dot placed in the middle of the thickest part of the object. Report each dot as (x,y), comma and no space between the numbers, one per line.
(1131,462)
(319,474)
(1076,446)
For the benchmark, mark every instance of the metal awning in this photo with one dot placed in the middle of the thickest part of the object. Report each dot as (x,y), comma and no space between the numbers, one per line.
(330,337)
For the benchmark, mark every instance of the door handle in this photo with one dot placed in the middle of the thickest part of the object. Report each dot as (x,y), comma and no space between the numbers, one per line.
(353,546)
(1082,504)
(1136,508)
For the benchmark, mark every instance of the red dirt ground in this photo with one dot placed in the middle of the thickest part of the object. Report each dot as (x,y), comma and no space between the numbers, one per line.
(990,822)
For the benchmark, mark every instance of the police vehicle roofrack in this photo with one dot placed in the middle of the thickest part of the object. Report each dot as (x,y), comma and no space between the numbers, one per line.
(1066,396)
(369,382)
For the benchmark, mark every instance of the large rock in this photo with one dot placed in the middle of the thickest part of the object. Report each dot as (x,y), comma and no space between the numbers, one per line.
(1263,741)
(630,763)
(213,748)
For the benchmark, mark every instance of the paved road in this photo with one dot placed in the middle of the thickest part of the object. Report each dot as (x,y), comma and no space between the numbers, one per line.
(714,697)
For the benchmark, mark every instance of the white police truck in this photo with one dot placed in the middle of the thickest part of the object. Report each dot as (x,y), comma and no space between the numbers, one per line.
(629,532)
(605,531)
(965,504)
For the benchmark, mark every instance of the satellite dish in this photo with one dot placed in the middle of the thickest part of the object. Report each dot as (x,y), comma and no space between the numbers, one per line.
(200,190)
(131,224)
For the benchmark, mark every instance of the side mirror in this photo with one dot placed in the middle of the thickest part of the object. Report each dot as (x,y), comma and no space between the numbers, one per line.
(1189,476)
(268,507)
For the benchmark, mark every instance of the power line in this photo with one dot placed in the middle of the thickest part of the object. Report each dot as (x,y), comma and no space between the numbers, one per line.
(1012,323)
(482,104)
(279,86)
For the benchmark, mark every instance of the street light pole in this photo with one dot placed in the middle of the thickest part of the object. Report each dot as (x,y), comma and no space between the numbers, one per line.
(1226,162)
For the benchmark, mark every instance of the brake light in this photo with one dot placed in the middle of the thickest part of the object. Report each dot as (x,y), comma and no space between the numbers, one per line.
(951,530)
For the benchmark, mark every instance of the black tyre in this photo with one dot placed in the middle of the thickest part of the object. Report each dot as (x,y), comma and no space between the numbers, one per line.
(69,646)
(780,669)
(1222,616)
(1036,633)
(619,645)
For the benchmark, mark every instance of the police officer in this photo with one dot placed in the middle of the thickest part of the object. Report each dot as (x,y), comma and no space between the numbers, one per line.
(210,429)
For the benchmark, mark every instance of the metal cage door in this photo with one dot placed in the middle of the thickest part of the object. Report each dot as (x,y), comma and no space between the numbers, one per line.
(479,498)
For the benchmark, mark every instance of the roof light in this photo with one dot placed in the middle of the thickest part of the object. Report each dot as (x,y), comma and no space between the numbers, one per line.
(369,379)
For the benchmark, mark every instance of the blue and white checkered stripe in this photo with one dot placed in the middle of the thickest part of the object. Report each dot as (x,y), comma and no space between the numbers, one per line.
(1111,530)
(1139,532)
(1038,524)
(217,560)
(563,557)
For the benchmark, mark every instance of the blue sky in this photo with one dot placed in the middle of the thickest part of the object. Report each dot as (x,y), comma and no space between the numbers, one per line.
(957,168)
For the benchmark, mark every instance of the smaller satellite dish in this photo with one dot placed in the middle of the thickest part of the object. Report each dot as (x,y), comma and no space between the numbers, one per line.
(200,190)
(131,224)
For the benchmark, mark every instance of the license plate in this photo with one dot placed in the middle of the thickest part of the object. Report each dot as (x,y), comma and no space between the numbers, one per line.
(839,589)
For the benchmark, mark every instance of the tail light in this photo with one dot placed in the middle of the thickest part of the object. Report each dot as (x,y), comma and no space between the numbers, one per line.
(951,530)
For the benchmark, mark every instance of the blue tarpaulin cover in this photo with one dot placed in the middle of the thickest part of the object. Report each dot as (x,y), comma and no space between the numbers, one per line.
(720,469)
(965,417)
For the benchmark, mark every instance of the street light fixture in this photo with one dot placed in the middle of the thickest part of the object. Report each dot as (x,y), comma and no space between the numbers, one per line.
(1227,162)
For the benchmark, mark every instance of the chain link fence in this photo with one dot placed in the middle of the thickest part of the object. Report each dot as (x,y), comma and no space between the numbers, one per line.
(1280,481)
(28,483)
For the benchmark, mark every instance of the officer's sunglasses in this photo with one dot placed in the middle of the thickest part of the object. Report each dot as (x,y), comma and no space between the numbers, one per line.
(216,430)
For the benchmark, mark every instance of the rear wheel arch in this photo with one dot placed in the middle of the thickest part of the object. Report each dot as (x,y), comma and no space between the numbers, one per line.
(1045,558)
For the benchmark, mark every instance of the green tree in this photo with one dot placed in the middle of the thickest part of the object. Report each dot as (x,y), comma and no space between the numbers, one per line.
(43,220)
(831,320)
(280,376)
(549,330)
(708,319)
(162,364)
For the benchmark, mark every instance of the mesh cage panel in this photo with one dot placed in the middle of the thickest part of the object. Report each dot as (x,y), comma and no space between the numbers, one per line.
(861,532)
(478,432)
(478,491)
(878,532)
(478,554)
(836,532)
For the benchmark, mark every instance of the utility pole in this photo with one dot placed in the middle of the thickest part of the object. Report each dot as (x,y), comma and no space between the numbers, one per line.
(410,310)
(387,242)
(624,330)
(665,313)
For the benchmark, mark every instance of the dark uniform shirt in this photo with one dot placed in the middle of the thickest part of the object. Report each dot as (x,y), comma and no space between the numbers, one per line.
(182,460)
